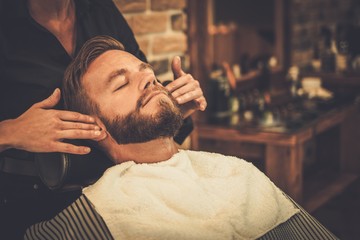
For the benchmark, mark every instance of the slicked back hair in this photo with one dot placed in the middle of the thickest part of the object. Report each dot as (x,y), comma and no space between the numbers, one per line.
(74,95)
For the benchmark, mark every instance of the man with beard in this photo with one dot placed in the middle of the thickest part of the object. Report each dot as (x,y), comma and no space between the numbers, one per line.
(157,191)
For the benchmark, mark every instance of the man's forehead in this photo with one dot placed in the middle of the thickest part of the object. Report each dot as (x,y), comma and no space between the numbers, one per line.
(104,67)
(111,56)
(108,61)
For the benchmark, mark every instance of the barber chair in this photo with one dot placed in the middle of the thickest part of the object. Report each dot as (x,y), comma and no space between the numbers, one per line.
(64,172)
(58,171)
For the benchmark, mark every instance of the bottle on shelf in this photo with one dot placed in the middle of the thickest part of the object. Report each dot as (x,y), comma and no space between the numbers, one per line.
(343,54)
(265,115)
(327,51)
(293,78)
(223,100)
(218,96)
(234,104)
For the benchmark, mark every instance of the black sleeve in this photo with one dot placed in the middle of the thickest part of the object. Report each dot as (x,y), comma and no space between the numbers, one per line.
(184,131)
(63,171)
(86,169)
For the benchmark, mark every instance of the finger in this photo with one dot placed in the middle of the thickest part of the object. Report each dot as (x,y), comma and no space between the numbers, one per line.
(51,101)
(180,82)
(102,136)
(70,148)
(189,96)
(78,125)
(201,103)
(75,116)
(81,134)
(176,67)
(192,86)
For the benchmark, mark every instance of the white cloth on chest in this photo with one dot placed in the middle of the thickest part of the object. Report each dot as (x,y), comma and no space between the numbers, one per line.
(193,195)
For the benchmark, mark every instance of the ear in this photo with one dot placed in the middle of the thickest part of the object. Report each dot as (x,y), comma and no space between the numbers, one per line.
(108,143)
(99,123)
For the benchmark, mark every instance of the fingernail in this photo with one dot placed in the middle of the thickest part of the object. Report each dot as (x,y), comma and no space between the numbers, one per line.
(178,99)
(91,119)
(87,149)
(97,133)
(97,128)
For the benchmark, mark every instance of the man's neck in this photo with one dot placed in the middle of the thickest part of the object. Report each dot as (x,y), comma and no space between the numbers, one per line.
(149,152)
(51,9)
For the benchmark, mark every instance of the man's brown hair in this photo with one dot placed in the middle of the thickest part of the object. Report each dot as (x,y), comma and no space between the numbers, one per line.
(74,95)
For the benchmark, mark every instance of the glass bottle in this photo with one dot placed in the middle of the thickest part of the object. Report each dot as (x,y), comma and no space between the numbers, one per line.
(328,51)
(342,57)
(293,77)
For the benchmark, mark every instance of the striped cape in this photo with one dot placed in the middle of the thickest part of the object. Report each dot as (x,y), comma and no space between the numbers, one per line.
(81,221)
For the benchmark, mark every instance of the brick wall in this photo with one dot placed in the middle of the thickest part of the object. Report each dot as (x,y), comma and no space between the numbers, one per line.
(307,17)
(160,29)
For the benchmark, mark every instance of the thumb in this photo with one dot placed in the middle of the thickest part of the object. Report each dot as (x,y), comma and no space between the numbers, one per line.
(51,101)
(176,67)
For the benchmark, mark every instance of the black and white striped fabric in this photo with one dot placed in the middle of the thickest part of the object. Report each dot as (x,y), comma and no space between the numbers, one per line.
(81,221)
(78,221)
(300,226)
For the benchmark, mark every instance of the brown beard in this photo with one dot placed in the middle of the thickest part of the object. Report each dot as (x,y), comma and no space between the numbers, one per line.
(138,128)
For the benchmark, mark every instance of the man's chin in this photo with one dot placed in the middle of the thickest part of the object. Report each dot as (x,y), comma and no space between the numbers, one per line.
(160,118)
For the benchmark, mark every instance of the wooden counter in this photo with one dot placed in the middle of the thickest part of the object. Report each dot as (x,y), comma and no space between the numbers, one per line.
(283,153)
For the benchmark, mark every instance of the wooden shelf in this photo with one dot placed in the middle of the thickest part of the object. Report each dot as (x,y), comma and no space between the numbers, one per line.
(318,191)
(337,78)
(284,154)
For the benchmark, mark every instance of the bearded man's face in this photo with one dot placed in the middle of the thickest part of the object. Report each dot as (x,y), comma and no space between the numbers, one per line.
(132,104)
(137,127)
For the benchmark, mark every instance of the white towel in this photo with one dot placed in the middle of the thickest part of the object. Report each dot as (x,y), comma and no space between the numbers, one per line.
(193,195)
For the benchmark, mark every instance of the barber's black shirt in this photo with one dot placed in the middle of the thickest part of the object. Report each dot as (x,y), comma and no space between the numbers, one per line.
(32,60)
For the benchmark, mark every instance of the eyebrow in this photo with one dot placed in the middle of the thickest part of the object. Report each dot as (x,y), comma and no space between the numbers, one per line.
(144,66)
(122,71)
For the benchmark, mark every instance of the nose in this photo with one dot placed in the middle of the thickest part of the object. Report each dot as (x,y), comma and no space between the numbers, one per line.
(150,82)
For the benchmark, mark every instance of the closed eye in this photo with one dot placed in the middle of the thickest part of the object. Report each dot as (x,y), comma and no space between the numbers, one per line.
(121,86)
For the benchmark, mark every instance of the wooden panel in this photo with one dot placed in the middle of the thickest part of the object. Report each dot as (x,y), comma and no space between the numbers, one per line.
(238,149)
(287,153)
(230,134)
(331,120)
(350,144)
(250,152)
(284,167)
(328,191)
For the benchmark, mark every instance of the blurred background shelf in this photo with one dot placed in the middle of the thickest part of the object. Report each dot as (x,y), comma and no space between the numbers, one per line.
(287,157)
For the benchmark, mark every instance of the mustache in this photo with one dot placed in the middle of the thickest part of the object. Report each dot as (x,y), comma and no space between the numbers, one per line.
(149,91)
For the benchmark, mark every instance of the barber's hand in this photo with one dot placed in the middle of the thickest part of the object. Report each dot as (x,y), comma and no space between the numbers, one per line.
(42,129)
(186,90)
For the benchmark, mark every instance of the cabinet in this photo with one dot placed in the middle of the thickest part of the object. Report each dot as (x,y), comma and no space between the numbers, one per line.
(284,154)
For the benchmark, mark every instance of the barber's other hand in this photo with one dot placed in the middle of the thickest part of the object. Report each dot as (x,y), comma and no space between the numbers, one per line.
(42,129)
(186,90)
